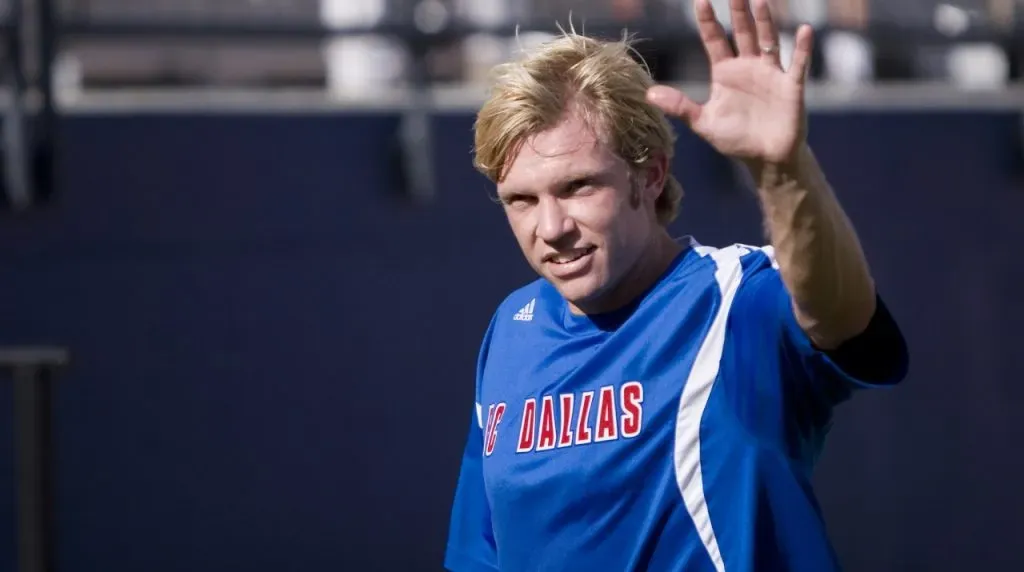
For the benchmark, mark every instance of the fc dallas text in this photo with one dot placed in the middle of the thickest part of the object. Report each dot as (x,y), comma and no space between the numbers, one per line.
(571,419)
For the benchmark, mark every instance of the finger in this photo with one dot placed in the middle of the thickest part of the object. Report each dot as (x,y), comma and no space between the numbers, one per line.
(767,33)
(674,102)
(743,28)
(801,62)
(712,35)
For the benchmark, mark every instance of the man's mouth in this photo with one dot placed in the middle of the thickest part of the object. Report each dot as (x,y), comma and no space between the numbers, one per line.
(569,256)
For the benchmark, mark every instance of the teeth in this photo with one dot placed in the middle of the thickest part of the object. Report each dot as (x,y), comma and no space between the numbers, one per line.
(567,258)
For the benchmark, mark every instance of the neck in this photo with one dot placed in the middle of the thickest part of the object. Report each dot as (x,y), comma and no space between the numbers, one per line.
(644,273)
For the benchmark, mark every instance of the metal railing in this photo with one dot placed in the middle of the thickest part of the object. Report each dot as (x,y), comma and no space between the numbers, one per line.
(36,32)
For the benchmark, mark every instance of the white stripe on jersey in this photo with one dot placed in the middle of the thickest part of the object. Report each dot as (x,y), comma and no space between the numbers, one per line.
(728,274)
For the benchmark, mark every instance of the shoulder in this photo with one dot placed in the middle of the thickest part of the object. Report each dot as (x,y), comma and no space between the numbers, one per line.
(523,304)
(749,282)
(743,280)
(510,319)
(528,303)
(747,255)
(736,263)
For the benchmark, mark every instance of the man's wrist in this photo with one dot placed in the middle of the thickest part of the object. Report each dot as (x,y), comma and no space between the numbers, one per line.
(799,172)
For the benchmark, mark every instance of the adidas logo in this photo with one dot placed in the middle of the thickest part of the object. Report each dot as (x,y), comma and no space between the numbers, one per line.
(525,314)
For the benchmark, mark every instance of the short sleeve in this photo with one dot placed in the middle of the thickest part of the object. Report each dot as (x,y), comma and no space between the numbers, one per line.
(812,381)
(471,545)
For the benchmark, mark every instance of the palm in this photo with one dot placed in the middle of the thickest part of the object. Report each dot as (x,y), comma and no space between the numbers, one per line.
(755,109)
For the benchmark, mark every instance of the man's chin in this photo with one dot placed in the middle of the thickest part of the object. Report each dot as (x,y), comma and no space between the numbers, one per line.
(578,292)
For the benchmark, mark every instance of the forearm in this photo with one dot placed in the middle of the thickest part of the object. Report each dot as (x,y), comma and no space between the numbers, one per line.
(817,250)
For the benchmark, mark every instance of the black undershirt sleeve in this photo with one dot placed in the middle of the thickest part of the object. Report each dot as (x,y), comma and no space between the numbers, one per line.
(877,352)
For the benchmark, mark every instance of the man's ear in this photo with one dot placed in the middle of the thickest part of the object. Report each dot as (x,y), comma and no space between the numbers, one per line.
(655,174)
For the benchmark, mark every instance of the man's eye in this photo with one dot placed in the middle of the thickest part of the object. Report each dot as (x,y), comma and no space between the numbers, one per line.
(579,187)
(517,201)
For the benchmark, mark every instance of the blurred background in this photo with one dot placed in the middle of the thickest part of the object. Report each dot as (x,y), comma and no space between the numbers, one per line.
(255,228)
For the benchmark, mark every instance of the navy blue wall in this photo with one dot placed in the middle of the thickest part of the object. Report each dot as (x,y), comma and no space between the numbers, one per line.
(274,354)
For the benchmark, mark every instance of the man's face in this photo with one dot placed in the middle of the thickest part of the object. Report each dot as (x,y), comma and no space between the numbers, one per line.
(580,219)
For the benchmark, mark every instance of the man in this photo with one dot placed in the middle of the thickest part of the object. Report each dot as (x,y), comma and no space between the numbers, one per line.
(651,403)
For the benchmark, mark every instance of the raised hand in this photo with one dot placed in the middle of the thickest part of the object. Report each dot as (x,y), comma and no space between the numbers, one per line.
(755,110)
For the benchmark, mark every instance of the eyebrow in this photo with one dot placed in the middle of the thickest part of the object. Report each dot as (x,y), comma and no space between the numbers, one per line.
(594,176)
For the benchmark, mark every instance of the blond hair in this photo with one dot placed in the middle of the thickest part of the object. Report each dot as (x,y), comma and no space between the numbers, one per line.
(573,73)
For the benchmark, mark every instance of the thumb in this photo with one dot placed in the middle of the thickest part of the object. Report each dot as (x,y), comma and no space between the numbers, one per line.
(674,102)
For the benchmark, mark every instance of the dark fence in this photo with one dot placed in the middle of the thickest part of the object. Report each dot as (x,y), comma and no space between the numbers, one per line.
(274,350)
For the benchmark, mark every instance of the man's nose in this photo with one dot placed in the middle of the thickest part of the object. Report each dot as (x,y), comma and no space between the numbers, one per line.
(553,222)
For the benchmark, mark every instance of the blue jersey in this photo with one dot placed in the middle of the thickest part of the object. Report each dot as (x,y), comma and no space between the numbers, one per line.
(678,433)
